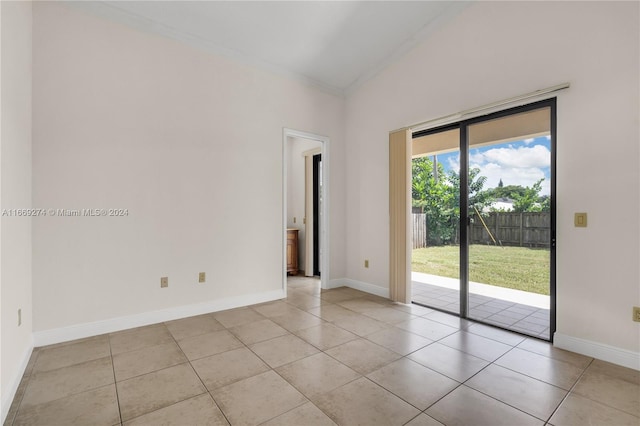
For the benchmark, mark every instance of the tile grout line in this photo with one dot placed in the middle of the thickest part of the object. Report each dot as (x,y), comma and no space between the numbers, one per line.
(571,390)
(115,380)
(269,366)
(29,381)
(307,400)
(404,400)
(360,376)
(498,400)
(550,358)
(568,392)
(283,378)
(584,372)
(207,391)
(428,368)
(165,368)
(302,393)
(504,402)
(494,363)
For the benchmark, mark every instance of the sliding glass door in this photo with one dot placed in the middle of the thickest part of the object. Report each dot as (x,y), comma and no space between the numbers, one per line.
(435,190)
(490,201)
(509,228)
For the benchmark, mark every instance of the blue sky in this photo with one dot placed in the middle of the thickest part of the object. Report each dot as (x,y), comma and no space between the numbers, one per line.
(522,162)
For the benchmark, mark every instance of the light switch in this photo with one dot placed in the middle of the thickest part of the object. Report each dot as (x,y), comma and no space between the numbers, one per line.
(580,220)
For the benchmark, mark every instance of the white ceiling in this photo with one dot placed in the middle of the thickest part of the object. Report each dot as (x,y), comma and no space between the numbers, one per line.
(336,45)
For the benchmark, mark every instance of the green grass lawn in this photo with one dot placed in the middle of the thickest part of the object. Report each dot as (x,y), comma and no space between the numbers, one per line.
(511,267)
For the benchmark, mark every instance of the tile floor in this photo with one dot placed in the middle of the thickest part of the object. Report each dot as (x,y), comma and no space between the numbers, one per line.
(519,317)
(321,358)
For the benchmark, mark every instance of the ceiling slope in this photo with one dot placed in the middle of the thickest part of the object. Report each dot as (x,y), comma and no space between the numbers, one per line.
(335,45)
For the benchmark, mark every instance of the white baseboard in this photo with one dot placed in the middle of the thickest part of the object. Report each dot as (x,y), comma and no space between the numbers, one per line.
(79,331)
(335,283)
(597,350)
(7,398)
(360,285)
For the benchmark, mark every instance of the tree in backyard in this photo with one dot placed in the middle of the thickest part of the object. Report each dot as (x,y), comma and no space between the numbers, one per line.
(531,201)
(433,193)
(508,191)
(478,196)
(545,203)
(439,197)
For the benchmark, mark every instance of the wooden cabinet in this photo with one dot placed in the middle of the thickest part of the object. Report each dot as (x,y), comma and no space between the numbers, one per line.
(292,251)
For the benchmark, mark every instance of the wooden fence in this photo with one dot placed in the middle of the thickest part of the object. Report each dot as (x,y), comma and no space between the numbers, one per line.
(508,229)
(419,230)
(513,229)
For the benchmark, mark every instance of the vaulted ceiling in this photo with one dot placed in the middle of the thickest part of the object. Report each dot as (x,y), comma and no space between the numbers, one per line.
(336,45)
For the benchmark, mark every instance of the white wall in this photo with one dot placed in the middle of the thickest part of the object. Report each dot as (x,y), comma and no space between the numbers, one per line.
(296,190)
(188,142)
(15,193)
(493,51)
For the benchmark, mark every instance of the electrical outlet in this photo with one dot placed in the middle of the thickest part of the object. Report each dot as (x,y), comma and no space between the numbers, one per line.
(164,282)
(19,317)
(366,263)
(636,313)
(202,277)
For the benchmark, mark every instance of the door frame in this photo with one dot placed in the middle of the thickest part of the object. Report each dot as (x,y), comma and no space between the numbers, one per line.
(462,124)
(288,133)
(550,103)
(309,218)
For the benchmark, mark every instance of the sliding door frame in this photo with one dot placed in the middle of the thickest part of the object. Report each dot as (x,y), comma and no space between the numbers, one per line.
(463,126)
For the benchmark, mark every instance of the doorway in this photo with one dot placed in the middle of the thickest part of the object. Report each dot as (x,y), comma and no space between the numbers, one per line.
(316,203)
(483,212)
(305,202)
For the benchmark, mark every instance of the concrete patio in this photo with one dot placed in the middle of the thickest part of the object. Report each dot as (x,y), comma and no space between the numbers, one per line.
(516,310)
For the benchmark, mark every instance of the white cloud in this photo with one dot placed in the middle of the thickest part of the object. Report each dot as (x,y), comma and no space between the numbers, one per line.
(523,165)
(524,156)
(515,165)
(454,163)
(528,141)
(524,176)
